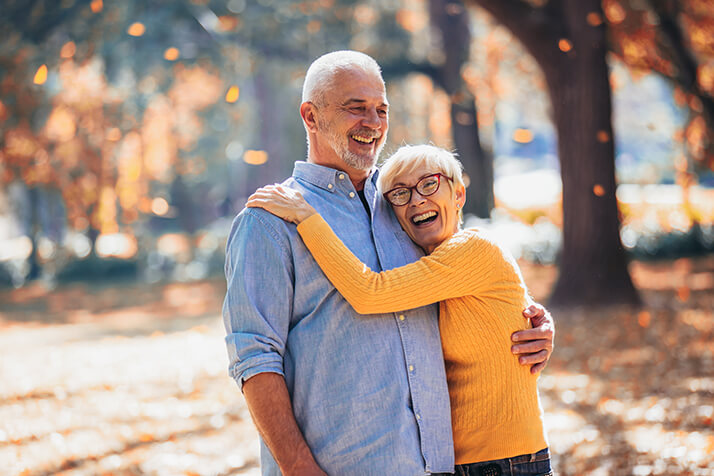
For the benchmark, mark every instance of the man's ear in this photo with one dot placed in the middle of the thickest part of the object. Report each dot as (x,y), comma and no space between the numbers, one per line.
(308,111)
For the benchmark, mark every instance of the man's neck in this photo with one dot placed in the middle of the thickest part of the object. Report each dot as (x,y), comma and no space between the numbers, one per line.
(359,183)
(357,177)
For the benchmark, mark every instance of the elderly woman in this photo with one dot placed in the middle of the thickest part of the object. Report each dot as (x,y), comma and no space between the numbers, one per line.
(495,411)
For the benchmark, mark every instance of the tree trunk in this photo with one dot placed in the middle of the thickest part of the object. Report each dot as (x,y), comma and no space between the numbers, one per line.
(593,266)
(35,269)
(477,164)
(451,20)
(571,53)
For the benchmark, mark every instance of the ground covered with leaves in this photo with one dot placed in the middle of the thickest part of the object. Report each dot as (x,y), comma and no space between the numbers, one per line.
(131,379)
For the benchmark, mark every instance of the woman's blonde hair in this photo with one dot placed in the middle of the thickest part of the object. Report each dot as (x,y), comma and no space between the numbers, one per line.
(409,158)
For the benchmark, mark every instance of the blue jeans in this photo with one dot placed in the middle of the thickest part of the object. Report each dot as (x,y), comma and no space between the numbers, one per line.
(536,464)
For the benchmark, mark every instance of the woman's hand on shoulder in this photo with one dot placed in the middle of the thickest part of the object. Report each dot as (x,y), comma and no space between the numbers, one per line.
(283,202)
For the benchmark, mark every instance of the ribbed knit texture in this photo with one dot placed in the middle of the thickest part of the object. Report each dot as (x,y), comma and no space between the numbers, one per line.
(495,411)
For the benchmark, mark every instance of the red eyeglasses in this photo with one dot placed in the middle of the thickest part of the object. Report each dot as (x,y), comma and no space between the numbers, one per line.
(428,185)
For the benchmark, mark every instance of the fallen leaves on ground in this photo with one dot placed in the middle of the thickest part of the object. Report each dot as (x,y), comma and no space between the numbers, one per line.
(131,379)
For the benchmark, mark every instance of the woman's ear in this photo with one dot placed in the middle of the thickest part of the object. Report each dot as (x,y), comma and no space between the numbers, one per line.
(308,111)
(460,193)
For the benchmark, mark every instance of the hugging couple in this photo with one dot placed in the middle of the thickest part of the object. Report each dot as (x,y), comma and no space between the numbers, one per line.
(370,334)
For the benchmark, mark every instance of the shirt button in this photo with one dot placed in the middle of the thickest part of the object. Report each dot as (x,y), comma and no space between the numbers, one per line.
(418,417)
(352,195)
(401,317)
(342,176)
(329,185)
(411,368)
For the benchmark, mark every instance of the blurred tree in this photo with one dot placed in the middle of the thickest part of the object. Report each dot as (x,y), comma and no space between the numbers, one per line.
(451,20)
(447,56)
(676,40)
(571,52)
(111,117)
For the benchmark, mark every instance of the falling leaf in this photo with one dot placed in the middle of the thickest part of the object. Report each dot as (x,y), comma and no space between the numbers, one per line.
(565,45)
(41,75)
(594,19)
(68,50)
(614,12)
(599,190)
(644,318)
(232,94)
(683,293)
(603,136)
(96,6)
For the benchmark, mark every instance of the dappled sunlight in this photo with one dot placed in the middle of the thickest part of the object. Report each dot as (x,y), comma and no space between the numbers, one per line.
(126,395)
(131,133)
(116,245)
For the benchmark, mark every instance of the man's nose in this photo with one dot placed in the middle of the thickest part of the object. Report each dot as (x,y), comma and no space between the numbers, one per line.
(371,119)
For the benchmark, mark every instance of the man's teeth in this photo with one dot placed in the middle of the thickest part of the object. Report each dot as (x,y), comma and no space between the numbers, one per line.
(417,219)
(364,140)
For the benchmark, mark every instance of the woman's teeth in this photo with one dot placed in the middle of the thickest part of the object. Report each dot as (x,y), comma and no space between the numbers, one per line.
(423,218)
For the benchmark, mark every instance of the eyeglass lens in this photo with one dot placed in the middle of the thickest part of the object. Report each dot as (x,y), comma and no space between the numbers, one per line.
(426,186)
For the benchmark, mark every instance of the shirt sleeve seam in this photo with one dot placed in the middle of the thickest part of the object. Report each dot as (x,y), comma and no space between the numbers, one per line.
(279,240)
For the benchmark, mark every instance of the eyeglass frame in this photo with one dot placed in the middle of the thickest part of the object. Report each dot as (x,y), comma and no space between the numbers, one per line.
(414,187)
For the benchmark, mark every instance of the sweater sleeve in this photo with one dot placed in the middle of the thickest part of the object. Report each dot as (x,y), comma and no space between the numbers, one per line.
(463,265)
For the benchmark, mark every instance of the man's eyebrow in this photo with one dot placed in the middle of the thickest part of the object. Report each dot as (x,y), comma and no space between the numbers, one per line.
(361,101)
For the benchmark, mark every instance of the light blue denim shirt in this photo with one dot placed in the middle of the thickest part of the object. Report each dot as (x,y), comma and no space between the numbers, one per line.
(368,392)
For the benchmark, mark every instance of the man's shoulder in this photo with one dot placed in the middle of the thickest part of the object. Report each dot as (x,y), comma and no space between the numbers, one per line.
(256,228)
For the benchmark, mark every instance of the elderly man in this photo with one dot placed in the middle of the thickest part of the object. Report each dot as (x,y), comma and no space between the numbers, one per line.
(330,391)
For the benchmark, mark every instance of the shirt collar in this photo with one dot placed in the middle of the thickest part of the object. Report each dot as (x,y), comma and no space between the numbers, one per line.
(324,177)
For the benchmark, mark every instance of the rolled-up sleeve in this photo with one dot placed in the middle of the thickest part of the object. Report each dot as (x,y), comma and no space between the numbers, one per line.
(258,302)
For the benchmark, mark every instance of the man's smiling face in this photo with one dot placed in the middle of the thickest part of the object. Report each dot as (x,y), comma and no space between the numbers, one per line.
(353,122)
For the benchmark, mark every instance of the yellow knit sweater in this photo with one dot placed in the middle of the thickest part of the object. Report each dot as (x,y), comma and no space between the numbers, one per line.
(495,412)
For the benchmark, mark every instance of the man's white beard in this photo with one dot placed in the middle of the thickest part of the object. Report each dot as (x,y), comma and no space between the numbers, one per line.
(340,144)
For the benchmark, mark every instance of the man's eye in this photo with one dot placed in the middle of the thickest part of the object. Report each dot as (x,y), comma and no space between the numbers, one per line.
(382,112)
(357,109)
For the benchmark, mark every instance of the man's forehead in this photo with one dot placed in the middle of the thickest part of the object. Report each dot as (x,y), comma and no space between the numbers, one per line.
(357,85)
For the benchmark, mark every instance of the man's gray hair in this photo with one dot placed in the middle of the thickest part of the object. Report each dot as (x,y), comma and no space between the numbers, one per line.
(324,69)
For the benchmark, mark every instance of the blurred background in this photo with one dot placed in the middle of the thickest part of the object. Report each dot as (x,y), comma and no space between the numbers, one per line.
(132,132)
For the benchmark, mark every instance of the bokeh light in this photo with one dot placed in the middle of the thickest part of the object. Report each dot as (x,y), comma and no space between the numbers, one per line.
(255,157)
(522,136)
(171,54)
(159,206)
(136,29)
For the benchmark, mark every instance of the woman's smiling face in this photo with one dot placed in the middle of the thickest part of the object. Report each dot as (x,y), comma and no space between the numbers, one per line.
(431,220)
